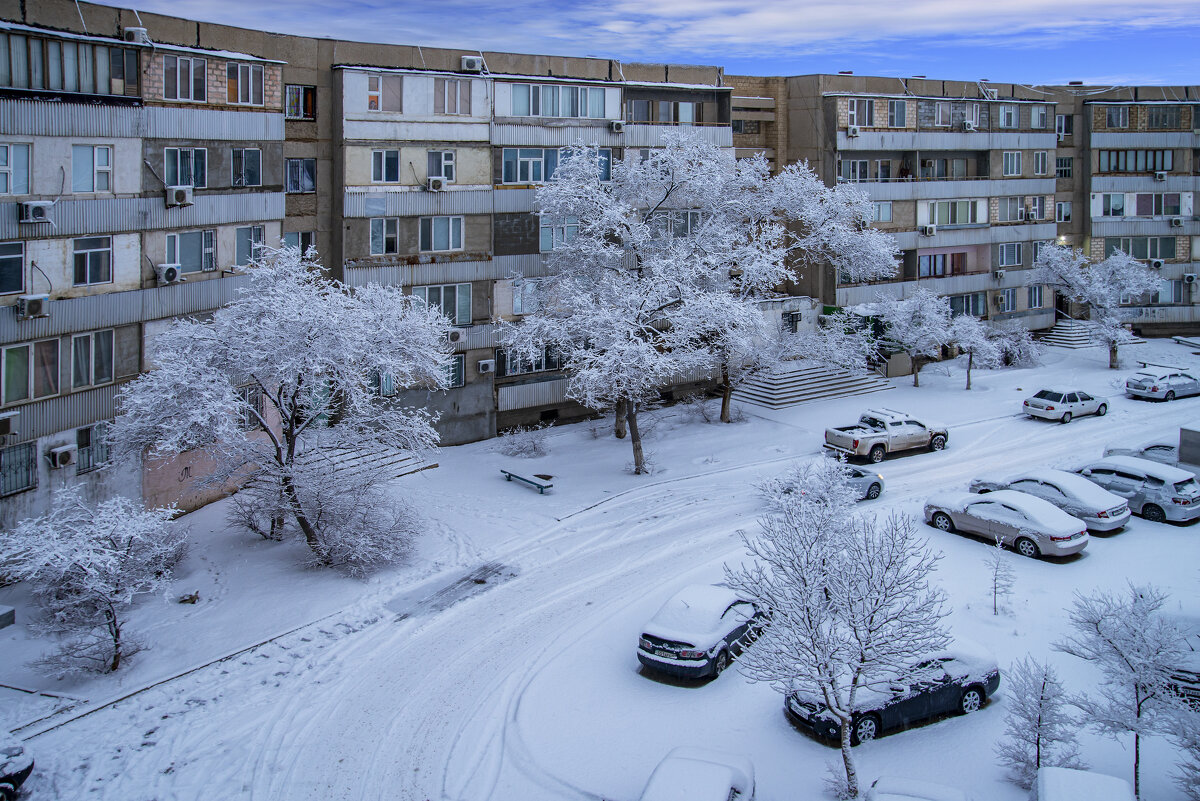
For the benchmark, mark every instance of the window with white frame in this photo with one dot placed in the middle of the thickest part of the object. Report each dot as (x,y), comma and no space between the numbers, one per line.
(525,295)
(543,360)
(250,412)
(1039,248)
(973,114)
(453,300)
(1116,116)
(1041,163)
(451,96)
(897,113)
(1009,255)
(1036,207)
(248,243)
(18,468)
(29,371)
(554,235)
(385,236)
(1011,162)
(440,234)
(300,239)
(1035,295)
(1168,292)
(1010,209)
(14,169)
(1163,117)
(91,443)
(941,115)
(247,166)
(193,251)
(385,92)
(531,100)
(185,166)
(92,359)
(1064,124)
(675,224)
(12,267)
(456,370)
(93,260)
(300,102)
(245,84)
(1038,117)
(954,212)
(1112,205)
(1008,300)
(1063,166)
(860,112)
(856,170)
(442,164)
(385,166)
(881,211)
(974,304)
(1010,116)
(1062,211)
(301,175)
(185,78)
(91,168)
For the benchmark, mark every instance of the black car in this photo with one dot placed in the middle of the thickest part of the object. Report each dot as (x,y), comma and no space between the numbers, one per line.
(699,631)
(953,681)
(15,767)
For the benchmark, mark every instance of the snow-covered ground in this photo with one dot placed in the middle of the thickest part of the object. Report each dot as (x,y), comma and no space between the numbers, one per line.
(499,662)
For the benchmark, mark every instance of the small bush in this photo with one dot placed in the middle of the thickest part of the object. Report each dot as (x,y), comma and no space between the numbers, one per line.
(525,442)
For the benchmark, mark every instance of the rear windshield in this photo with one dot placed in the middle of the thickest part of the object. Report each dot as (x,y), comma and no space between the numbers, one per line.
(871,422)
(1187,486)
(1046,394)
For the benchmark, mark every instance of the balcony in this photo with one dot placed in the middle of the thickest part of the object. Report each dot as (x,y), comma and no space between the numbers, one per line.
(946,140)
(950,188)
(1039,231)
(1152,139)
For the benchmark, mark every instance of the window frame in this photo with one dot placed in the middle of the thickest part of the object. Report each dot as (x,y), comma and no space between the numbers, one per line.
(97,169)
(208,249)
(379,166)
(1039,117)
(307,101)
(557,234)
(427,233)
(383,224)
(877,209)
(1008,300)
(248,81)
(387,86)
(20,258)
(460,306)
(8,183)
(1011,164)
(1035,297)
(1008,254)
(254,243)
(196,156)
(197,79)
(92,339)
(299,162)
(442,164)
(1118,113)
(1064,124)
(1064,166)
(442,96)
(897,119)
(87,253)
(1041,162)
(237,156)
(1008,116)
(304,240)
(94,454)
(456,369)
(1062,211)
(30,467)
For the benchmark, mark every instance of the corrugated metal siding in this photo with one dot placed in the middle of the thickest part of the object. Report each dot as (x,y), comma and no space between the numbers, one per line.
(984,235)
(652,135)
(446,272)
(413,203)
(40,118)
(199,123)
(551,135)
(523,396)
(946,140)
(1144,139)
(49,416)
(136,214)
(1145,183)
(1144,228)
(1165,314)
(512,200)
(933,190)
(476,337)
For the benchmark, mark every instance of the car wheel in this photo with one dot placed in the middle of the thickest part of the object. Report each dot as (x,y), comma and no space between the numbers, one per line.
(7,792)
(721,663)
(1102,410)
(865,728)
(1154,513)
(937,443)
(942,521)
(876,455)
(972,699)
(1027,547)
(873,492)
(1170,396)
(1066,418)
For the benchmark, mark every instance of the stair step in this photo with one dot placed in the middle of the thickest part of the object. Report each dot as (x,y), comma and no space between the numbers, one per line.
(803,383)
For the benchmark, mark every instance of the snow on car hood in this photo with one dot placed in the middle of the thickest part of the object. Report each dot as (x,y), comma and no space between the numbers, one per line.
(1085,492)
(13,757)
(693,615)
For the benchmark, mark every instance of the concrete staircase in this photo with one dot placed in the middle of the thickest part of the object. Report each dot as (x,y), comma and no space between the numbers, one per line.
(792,383)
(1073,334)
(389,464)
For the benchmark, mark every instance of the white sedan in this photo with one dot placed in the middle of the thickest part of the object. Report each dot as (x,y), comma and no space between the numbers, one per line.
(1029,525)
(1074,494)
(1064,404)
(699,774)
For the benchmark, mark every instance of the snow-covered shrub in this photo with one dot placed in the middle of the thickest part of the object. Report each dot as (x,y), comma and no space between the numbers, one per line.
(1188,737)
(359,531)
(526,442)
(1017,347)
(698,407)
(821,481)
(85,565)
(1039,731)
(918,325)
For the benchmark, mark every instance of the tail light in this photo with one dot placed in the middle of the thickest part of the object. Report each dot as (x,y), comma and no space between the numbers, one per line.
(1068,537)
(854,444)
(1049,408)
(1102,514)
(686,654)
(1182,501)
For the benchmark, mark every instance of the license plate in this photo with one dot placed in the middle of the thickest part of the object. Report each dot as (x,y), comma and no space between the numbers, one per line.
(662,652)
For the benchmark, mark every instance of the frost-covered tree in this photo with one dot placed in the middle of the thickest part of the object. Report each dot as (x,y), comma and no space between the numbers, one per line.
(918,325)
(851,605)
(278,385)
(842,340)
(1039,731)
(1188,736)
(1017,347)
(658,271)
(1135,647)
(1098,285)
(1001,576)
(85,565)
(974,338)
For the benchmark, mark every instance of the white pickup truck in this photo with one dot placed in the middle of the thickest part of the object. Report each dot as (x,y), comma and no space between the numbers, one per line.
(882,431)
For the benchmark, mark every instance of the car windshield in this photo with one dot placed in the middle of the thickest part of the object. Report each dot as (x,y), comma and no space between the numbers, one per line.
(1046,394)
(871,422)
(1187,486)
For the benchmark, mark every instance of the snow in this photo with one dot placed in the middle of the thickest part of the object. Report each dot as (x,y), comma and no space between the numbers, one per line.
(892,788)
(1164,472)
(530,687)
(1075,486)
(699,774)
(1065,784)
(693,615)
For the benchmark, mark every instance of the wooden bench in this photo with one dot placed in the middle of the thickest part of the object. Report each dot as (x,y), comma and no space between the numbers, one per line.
(541,487)
(1144,363)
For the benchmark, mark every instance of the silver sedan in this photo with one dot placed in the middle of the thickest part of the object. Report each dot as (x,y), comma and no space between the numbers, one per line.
(869,485)
(1161,384)
(1030,525)
(1064,404)
(1074,494)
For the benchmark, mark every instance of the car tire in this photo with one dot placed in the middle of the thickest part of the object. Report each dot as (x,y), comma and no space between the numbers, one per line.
(876,454)
(971,701)
(1027,547)
(1066,418)
(1170,396)
(7,792)
(942,521)
(937,443)
(865,728)
(720,663)
(874,491)
(1154,513)
(1102,410)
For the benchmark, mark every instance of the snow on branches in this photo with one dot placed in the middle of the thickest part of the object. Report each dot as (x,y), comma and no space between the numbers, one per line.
(1038,729)
(918,325)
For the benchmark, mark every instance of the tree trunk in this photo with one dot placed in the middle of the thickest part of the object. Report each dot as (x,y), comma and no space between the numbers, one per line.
(726,394)
(917,364)
(619,429)
(1137,765)
(1113,361)
(635,437)
(848,761)
(970,364)
(114,631)
(306,526)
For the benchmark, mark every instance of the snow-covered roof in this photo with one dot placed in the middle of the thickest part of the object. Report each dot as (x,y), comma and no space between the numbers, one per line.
(1163,472)
(692,615)
(895,788)
(1066,784)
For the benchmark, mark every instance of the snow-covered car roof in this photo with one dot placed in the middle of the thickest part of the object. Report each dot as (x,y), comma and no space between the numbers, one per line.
(895,788)
(1044,512)
(1066,784)
(1073,483)
(1160,372)
(699,774)
(1163,472)
(693,614)
(13,757)
(1064,390)
(978,659)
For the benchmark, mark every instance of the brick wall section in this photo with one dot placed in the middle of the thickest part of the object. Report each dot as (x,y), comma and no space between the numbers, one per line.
(771,134)
(153,73)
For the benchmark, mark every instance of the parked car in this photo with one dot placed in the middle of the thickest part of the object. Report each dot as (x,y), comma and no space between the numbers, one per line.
(882,431)
(1157,492)
(1068,784)
(1161,383)
(1098,508)
(699,774)
(15,767)
(1031,526)
(699,631)
(894,788)
(870,485)
(1165,452)
(1064,404)
(960,679)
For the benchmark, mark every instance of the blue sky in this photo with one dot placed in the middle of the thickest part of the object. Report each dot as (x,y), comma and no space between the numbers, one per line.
(1025,41)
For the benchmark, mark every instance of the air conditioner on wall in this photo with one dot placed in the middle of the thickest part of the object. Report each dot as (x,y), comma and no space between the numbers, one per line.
(928,230)
(852,130)
(436,184)
(180,195)
(1156,264)
(616,126)
(62,456)
(168,273)
(1189,278)
(1160,175)
(8,423)
(968,125)
(36,211)
(31,306)
(136,35)
(486,366)
(455,335)
(472,64)
(1176,222)
(998,274)
(1061,136)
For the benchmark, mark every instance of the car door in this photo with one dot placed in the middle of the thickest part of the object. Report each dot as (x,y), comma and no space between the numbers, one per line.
(1071,404)
(916,435)
(914,706)
(1087,404)
(1009,523)
(980,517)
(1187,385)
(1031,487)
(736,621)
(1105,477)
(1047,491)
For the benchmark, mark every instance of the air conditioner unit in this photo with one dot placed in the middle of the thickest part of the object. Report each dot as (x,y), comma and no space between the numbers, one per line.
(1156,264)
(436,184)
(36,211)
(180,195)
(1189,278)
(472,64)
(137,35)
(998,274)
(852,130)
(1061,136)
(616,126)
(928,230)
(31,306)
(1021,214)
(997,300)
(1176,222)
(455,335)
(1160,176)
(168,273)
(968,125)
(486,366)
(62,456)
(8,423)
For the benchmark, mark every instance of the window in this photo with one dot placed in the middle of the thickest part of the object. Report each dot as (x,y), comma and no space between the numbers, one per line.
(385,235)
(300,239)
(856,170)
(185,78)
(1039,248)
(1136,160)
(1010,255)
(676,224)
(1168,292)
(451,96)
(18,468)
(1116,117)
(247,167)
(14,169)
(301,175)
(385,166)
(1008,300)
(249,242)
(1064,124)
(1113,205)
(974,304)
(1036,208)
(91,359)
(1162,117)
(252,405)
(93,260)
(931,266)
(441,164)
(29,371)
(455,370)
(546,359)
(454,300)
(28,62)
(186,166)
(1063,166)
(1012,162)
(941,115)
(555,235)
(1141,247)
(385,92)
(441,234)
(1040,163)
(745,126)
(529,165)
(1062,211)
(1011,209)
(897,110)
(1035,296)
(525,297)
(636,110)
(1156,204)
(530,100)
(1038,117)
(860,112)
(954,212)
(881,211)
(245,84)
(883,169)
(12,267)
(300,102)
(91,168)
(91,444)
(193,251)
(1010,116)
